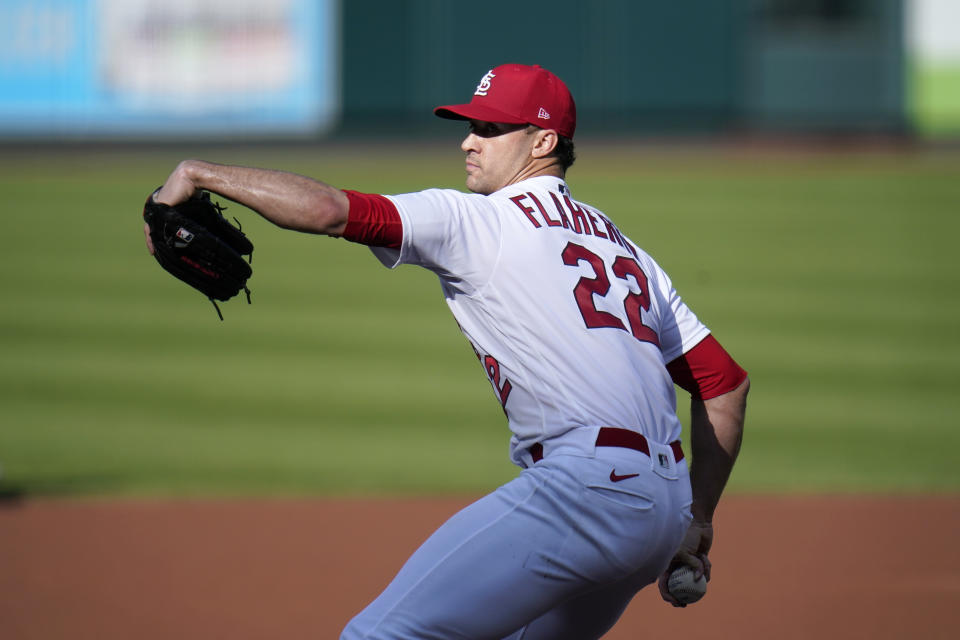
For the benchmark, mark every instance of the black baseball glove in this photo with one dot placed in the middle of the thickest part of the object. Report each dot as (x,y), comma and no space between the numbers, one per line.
(195,243)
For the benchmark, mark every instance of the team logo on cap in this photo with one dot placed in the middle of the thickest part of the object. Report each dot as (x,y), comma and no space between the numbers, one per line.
(484,85)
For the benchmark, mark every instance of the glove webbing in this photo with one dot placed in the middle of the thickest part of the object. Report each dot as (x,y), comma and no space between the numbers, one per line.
(246,290)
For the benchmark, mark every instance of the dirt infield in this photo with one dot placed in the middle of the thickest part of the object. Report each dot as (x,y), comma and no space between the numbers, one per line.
(785,568)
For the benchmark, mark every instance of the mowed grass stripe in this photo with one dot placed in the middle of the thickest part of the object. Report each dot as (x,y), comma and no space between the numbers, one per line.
(831,278)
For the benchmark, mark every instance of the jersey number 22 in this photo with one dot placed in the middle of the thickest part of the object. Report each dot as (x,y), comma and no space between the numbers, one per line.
(623,268)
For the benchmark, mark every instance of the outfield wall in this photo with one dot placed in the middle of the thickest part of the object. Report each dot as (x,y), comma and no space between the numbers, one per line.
(692,66)
(108,68)
(255,68)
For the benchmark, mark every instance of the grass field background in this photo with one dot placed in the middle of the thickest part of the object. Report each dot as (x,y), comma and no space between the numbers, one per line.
(833,278)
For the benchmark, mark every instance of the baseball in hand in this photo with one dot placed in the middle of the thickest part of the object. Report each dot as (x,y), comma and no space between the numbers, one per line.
(683,587)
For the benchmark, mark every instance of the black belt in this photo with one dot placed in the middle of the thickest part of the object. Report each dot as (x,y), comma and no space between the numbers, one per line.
(614,437)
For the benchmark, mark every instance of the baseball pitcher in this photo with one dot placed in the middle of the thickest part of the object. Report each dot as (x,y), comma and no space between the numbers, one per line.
(582,336)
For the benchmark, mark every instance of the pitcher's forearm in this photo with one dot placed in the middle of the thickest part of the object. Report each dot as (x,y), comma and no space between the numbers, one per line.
(287,199)
(717,431)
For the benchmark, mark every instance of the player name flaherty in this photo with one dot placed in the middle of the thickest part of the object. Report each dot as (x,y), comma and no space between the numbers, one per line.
(573,216)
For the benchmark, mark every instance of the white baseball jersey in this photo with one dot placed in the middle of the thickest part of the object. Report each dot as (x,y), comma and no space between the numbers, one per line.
(572,322)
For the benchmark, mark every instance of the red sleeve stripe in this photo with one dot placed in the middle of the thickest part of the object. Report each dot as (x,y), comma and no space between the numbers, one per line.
(373,220)
(707,370)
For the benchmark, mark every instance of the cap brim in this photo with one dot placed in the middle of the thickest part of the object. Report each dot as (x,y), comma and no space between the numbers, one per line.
(472,111)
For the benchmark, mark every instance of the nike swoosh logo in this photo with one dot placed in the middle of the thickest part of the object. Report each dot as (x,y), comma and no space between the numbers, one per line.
(615,478)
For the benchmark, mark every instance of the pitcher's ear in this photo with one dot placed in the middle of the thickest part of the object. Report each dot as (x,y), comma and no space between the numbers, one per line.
(545,143)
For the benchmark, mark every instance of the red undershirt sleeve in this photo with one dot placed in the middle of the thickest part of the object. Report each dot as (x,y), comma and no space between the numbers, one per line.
(373,220)
(706,371)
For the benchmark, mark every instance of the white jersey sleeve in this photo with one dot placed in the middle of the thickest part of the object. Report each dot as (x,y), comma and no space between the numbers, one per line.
(448,232)
(572,323)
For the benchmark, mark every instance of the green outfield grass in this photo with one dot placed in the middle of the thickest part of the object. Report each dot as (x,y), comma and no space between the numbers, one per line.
(832,278)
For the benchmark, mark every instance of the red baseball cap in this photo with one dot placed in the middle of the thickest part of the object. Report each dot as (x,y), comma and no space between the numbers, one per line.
(519,94)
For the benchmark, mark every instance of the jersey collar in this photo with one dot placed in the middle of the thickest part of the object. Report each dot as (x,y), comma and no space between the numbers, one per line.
(539,182)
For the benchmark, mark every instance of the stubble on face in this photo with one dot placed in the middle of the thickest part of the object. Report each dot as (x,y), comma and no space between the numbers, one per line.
(495,155)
